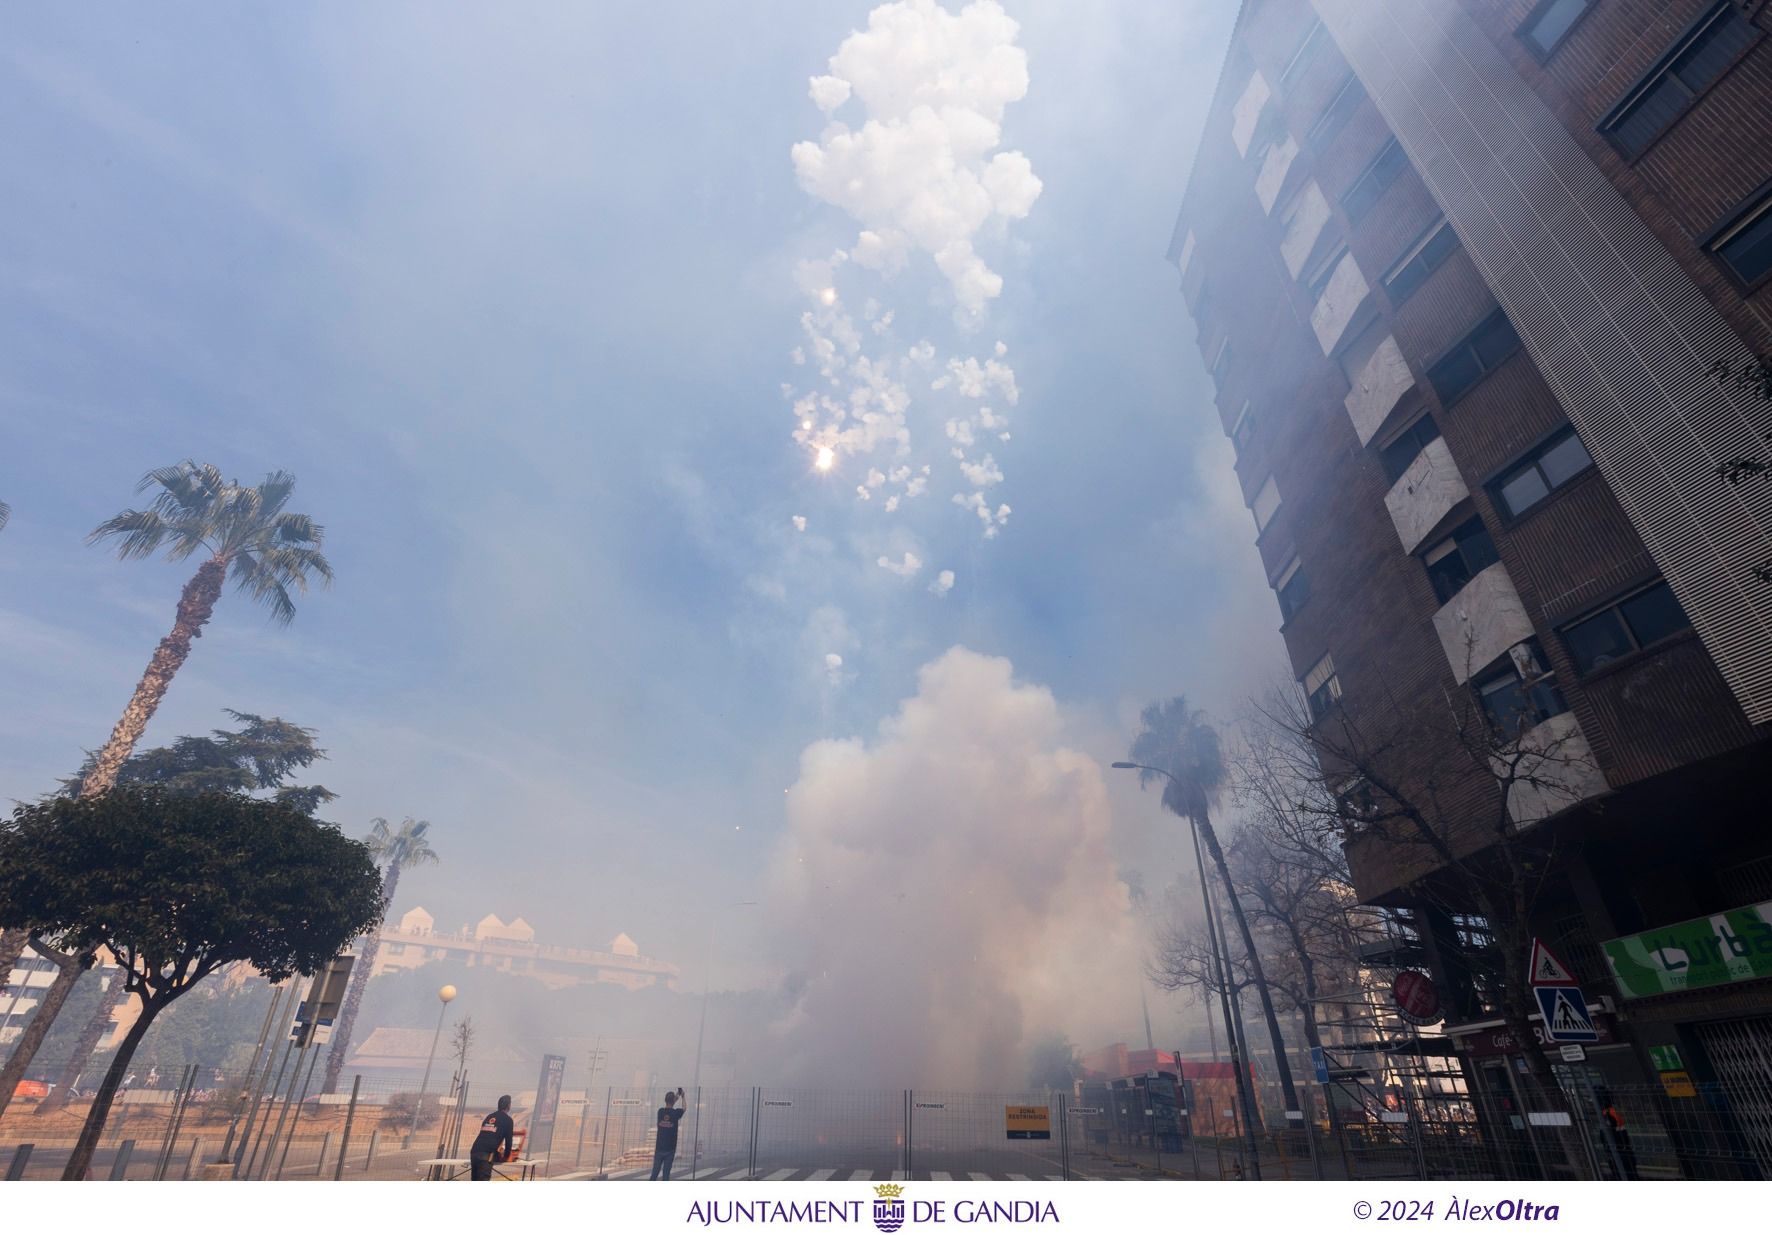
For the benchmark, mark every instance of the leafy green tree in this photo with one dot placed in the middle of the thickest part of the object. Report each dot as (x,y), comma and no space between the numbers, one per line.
(1180,747)
(260,756)
(176,886)
(1053,1063)
(240,528)
(395,849)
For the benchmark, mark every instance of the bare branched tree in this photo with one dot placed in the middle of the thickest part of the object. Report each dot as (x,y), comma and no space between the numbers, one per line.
(1447,795)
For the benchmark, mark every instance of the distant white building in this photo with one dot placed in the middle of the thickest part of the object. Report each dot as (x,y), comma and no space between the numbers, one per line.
(510,946)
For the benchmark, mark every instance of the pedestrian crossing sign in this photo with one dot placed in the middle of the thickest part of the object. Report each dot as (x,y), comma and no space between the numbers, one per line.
(1566,1018)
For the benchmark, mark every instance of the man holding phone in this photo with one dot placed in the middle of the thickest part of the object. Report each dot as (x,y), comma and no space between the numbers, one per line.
(665,1148)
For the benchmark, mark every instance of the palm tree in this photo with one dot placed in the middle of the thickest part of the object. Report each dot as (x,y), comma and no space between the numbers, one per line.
(395,850)
(5,514)
(241,528)
(1181,746)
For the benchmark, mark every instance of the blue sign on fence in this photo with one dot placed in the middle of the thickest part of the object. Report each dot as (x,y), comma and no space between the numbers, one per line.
(1320,1064)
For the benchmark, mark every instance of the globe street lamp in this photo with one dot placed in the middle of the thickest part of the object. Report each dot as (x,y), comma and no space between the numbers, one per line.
(1222,970)
(444,994)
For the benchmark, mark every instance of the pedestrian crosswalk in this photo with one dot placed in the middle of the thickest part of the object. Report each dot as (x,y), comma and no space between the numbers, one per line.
(740,1174)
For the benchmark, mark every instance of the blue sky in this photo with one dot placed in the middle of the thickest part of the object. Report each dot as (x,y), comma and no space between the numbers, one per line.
(513,293)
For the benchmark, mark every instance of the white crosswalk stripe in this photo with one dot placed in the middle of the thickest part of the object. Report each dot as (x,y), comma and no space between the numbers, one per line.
(629,1173)
(898,1174)
(780,1174)
(939,1177)
(1020,1178)
(859,1175)
(822,1175)
(978,1176)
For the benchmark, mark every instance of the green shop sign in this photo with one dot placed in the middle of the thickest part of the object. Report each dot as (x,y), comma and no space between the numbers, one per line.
(1733,946)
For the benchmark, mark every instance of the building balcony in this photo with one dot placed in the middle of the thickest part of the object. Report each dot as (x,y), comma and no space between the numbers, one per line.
(1376,387)
(1425,494)
(1482,621)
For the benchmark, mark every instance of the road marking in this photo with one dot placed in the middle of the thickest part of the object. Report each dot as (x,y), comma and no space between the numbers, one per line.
(898,1174)
(726,1173)
(856,1175)
(781,1174)
(1020,1178)
(821,1175)
(627,1174)
(976,1175)
(939,1177)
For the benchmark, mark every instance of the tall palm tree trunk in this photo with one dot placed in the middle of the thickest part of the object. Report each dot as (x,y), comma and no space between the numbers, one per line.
(12,946)
(195,605)
(347,1015)
(38,1029)
(1281,1064)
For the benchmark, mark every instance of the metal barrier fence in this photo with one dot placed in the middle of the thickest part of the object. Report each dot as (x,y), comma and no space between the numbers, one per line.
(209,1124)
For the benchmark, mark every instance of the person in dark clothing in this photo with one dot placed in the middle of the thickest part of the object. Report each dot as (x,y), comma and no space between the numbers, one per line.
(1627,1157)
(665,1148)
(494,1142)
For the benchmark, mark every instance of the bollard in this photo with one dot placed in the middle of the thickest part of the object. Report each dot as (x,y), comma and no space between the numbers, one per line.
(20,1156)
(344,1142)
(369,1158)
(120,1164)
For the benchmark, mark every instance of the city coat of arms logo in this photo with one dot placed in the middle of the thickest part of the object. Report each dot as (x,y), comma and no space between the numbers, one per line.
(888,1207)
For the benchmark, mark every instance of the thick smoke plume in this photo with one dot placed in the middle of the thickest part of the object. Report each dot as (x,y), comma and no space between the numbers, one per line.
(945,892)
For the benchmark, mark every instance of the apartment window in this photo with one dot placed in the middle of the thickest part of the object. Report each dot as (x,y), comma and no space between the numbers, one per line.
(1744,241)
(1401,452)
(1266,505)
(1322,688)
(1473,357)
(1343,105)
(1694,63)
(1455,561)
(1518,691)
(1625,626)
(1549,24)
(1294,589)
(1317,282)
(1545,469)
(1377,177)
(1428,254)
(1243,430)
(1221,363)
(1306,50)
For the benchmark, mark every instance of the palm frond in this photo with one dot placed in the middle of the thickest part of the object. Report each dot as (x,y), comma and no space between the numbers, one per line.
(141,533)
(5,514)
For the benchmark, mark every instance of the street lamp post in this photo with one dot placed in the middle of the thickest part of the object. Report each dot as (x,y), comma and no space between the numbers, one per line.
(444,995)
(707,979)
(1221,970)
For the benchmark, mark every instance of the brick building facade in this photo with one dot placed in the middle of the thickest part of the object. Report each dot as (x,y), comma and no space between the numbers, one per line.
(1459,270)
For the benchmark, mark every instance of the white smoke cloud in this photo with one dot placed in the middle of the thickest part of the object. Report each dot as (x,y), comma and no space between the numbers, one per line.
(944,583)
(919,174)
(903,569)
(945,891)
(799,523)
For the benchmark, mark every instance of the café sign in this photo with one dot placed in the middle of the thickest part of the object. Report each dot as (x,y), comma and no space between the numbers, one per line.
(1732,946)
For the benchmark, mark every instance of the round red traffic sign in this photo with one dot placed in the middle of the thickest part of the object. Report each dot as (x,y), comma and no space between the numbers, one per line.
(1417,998)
